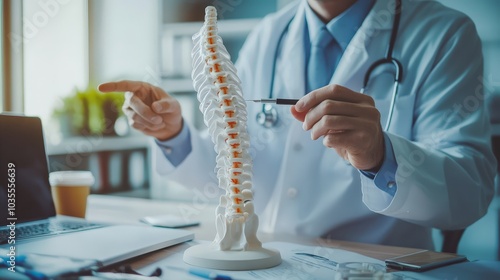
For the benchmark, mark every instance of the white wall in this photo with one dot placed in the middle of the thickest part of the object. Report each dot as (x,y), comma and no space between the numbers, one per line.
(124,40)
(1,60)
(55,52)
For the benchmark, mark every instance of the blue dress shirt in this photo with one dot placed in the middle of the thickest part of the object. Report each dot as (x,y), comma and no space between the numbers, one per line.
(342,27)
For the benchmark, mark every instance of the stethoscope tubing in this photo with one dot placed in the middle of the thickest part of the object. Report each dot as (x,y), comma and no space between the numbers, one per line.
(268,117)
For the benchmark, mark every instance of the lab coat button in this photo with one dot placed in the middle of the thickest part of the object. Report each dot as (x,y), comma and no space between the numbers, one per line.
(391,184)
(292,192)
(297,147)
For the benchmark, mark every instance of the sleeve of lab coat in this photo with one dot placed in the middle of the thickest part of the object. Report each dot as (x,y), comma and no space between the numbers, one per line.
(446,171)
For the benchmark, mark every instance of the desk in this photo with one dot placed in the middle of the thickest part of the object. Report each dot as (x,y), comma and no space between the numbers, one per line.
(113,209)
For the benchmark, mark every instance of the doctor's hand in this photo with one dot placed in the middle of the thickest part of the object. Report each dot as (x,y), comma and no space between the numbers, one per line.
(148,108)
(348,121)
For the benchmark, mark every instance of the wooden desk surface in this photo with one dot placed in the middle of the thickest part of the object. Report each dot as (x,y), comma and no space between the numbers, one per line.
(124,210)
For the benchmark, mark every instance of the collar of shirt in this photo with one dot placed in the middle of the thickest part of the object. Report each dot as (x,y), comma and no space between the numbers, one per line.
(342,27)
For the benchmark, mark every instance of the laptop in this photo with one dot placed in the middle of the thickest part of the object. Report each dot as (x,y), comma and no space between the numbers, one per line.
(26,203)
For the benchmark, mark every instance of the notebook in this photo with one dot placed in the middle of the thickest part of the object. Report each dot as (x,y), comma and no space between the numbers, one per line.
(26,204)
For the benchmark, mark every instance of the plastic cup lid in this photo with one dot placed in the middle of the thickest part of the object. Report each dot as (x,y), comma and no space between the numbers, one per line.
(71,178)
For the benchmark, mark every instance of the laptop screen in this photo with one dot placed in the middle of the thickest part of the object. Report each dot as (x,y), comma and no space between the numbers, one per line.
(24,177)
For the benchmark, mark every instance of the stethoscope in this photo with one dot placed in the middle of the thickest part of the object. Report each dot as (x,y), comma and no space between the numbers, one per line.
(268,117)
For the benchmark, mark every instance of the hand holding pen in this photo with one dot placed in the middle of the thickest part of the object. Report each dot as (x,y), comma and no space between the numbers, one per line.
(344,119)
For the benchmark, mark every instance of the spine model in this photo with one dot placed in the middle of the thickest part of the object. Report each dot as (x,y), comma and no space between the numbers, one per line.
(224,111)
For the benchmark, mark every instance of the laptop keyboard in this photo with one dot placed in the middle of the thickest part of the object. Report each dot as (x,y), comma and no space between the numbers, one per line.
(50,227)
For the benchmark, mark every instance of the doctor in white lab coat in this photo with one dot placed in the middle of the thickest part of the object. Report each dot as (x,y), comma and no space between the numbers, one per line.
(345,185)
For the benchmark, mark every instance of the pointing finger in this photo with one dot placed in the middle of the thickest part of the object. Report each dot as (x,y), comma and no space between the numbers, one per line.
(124,85)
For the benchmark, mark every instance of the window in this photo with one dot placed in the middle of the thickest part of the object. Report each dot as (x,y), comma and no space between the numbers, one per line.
(55,53)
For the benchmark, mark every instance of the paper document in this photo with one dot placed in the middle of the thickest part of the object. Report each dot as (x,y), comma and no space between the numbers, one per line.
(299,262)
(316,262)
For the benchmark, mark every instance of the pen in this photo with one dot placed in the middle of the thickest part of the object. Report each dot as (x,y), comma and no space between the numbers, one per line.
(206,274)
(20,260)
(278,101)
(122,276)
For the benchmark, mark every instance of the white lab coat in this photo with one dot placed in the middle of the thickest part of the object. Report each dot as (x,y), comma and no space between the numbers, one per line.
(445,165)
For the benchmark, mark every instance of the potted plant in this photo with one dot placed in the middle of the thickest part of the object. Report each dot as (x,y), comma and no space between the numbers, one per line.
(89,112)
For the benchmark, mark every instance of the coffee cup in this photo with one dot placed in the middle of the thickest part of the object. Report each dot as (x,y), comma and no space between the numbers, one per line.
(70,190)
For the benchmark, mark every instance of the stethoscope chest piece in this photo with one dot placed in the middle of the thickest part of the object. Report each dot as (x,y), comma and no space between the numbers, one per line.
(268,117)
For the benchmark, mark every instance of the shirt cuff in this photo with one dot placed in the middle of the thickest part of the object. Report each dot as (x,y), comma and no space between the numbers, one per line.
(385,178)
(178,148)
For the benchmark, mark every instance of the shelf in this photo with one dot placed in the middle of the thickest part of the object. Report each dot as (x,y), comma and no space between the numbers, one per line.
(229,27)
(177,45)
(91,144)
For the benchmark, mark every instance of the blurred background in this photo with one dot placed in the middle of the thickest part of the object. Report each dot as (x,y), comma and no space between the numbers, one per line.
(55,53)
